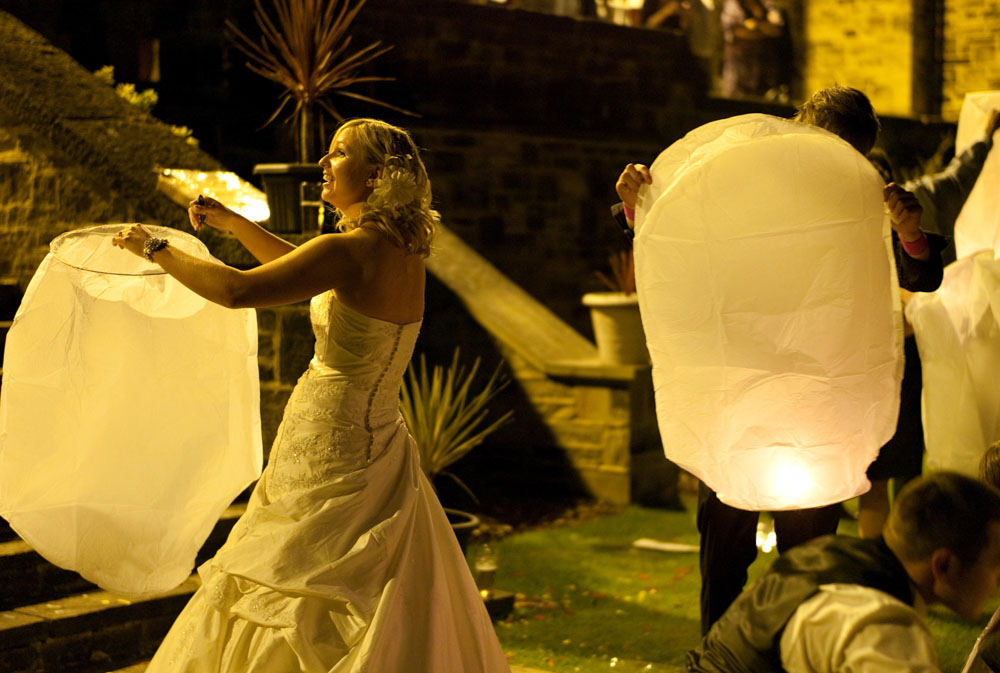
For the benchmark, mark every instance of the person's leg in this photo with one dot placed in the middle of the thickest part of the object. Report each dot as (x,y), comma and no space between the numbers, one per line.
(728,547)
(873,509)
(794,527)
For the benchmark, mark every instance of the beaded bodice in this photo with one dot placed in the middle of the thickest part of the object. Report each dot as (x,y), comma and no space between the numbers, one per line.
(344,410)
(351,344)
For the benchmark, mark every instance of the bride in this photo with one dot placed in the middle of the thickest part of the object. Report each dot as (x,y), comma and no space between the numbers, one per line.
(344,560)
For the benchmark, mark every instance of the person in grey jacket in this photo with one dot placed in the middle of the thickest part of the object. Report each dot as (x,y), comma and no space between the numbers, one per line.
(943,194)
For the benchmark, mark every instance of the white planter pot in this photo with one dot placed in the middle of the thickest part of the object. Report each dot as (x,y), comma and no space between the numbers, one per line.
(617,327)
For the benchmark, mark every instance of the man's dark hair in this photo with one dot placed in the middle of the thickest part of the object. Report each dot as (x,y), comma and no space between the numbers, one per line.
(989,466)
(844,111)
(942,509)
(883,164)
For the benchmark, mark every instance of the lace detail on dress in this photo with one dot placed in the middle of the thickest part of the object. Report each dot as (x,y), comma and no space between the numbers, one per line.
(314,443)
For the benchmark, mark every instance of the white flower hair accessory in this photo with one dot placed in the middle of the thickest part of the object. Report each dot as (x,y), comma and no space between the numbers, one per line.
(397,187)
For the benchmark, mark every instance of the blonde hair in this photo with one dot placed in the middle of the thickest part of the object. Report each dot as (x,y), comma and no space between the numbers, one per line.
(410,222)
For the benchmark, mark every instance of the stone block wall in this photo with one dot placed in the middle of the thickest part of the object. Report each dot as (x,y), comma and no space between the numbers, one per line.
(537,206)
(866,44)
(489,66)
(971,59)
(41,197)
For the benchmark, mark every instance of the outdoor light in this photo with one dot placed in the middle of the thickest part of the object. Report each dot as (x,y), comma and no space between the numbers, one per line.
(771,311)
(767,539)
(184,186)
(129,413)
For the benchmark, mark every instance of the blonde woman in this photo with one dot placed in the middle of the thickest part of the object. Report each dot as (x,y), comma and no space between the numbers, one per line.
(344,560)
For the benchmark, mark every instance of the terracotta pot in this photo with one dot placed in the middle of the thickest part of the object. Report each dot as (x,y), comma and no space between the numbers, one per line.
(463,523)
(284,185)
(617,327)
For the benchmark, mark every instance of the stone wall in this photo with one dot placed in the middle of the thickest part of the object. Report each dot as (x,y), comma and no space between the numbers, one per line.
(971,51)
(912,57)
(866,44)
(536,206)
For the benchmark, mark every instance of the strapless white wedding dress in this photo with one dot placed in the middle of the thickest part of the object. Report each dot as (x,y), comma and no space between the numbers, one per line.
(344,560)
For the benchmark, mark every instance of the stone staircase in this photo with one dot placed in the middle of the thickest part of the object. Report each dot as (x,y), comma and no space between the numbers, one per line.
(54,621)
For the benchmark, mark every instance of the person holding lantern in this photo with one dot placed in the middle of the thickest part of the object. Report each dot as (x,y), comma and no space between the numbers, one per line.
(941,195)
(728,534)
(842,603)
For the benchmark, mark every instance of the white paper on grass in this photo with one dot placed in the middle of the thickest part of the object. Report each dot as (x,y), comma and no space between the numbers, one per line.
(958,335)
(978,225)
(769,299)
(129,413)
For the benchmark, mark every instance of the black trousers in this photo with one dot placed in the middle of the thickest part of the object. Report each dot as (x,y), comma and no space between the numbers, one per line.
(729,545)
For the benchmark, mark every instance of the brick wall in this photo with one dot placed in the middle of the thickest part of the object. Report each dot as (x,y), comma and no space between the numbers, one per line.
(971,51)
(535,205)
(866,44)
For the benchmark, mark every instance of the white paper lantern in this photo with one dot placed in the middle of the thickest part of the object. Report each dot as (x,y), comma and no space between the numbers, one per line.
(129,414)
(978,225)
(769,300)
(958,334)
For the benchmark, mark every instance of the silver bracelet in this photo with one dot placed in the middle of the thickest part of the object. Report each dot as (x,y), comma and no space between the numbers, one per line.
(153,245)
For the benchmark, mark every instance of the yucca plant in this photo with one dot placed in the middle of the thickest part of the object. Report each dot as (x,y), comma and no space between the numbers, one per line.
(622,277)
(445,418)
(307,51)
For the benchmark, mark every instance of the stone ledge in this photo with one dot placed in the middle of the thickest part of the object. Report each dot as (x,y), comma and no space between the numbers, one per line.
(581,371)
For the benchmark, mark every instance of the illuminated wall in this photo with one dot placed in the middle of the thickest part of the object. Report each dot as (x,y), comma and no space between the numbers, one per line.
(866,44)
(971,51)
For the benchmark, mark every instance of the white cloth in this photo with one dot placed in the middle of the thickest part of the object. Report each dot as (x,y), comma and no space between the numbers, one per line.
(344,560)
(129,416)
(958,334)
(978,225)
(768,293)
(847,628)
(974,664)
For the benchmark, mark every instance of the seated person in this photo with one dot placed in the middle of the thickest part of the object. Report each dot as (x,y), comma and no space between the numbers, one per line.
(985,656)
(848,604)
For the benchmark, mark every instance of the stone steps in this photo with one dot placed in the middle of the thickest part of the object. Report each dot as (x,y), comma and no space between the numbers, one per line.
(86,633)
(54,621)
(28,578)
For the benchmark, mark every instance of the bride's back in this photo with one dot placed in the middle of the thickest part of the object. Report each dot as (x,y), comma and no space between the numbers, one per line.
(391,285)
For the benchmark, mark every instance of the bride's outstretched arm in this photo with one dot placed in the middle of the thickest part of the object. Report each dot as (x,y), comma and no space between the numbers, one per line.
(326,262)
(261,243)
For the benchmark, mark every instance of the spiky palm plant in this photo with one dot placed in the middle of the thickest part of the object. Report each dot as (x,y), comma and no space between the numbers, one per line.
(444,417)
(622,270)
(307,51)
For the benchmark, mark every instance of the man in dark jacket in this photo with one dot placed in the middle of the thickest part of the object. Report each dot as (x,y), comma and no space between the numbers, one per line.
(839,603)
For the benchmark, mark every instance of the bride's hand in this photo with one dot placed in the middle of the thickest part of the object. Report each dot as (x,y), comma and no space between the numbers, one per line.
(207,211)
(131,238)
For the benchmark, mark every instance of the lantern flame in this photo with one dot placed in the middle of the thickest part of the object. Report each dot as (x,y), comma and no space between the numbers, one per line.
(793,479)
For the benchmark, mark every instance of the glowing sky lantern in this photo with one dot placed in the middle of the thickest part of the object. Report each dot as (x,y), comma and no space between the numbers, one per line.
(958,334)
(129,413)
(978,225)
(769,299)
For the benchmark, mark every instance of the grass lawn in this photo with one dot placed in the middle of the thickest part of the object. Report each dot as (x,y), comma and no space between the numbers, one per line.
(588,601)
